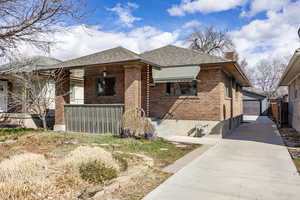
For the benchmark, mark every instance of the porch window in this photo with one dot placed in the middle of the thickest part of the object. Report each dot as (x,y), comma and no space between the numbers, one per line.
(181,89)
(106,86)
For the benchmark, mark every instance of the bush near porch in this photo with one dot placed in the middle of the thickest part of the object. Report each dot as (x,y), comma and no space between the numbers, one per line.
(52,150)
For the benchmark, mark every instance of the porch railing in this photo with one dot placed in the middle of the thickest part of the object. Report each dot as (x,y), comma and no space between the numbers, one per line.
(94,118)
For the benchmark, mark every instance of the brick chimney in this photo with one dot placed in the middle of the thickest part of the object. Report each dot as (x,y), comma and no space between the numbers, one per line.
(230,55)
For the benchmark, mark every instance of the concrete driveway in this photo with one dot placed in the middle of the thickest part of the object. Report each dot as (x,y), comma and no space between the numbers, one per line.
(251,164)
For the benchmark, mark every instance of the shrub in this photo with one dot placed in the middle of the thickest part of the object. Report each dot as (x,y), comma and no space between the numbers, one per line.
(97,172)
(10,191)
(121,160)
(82,155)
(22,167)
(136,124)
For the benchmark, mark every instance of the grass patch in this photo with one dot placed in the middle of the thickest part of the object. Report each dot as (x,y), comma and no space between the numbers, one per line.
(97,172)
(297,163)
(16,131)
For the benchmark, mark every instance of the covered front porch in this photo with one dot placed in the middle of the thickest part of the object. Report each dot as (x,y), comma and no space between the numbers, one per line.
(109,91)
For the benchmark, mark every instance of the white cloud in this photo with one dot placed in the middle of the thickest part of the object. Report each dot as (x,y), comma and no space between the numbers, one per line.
(257,6)
(273,37)
(204,6)
(192,24)
(124,13)
(83,40)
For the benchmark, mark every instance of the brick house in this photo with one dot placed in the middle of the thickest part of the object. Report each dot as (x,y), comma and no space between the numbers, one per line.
(178,88)
(291,78)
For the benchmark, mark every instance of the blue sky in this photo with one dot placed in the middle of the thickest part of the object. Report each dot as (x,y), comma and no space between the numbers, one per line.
(155,13)
(260,29)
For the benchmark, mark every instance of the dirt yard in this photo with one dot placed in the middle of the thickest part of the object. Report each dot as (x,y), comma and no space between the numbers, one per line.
(46,165)
(292,140)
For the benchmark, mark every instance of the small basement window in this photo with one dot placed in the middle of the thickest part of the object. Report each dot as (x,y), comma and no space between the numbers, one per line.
(181,89)
(106,86)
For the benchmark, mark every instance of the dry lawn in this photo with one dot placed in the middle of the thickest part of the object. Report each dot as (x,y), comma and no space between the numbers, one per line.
(41,166)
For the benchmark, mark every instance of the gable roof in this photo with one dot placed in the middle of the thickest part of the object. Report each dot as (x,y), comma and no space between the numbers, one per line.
(29,64)
(292,70)
(171,55)
(168,56)
(110,56)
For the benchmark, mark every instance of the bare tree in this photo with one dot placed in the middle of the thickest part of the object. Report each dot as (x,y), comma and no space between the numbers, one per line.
(266,75)
(35,92)
(210,41)
(30,21)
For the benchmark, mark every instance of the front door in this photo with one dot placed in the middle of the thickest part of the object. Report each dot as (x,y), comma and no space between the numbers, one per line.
(3,96)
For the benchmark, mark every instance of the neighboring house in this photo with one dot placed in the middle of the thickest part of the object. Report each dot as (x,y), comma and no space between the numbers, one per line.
(178,89)
(291,78)
(16,114)
(254,102)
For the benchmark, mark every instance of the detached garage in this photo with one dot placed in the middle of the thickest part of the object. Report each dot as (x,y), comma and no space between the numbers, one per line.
(254,103)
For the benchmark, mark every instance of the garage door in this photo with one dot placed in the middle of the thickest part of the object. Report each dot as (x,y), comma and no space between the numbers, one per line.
(251,107)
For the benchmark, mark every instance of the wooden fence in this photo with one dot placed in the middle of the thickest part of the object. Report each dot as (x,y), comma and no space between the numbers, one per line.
(94,118)
(279,112)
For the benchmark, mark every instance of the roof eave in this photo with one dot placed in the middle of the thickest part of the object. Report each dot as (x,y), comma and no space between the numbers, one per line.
(101,64)
(294,58)
(236,65)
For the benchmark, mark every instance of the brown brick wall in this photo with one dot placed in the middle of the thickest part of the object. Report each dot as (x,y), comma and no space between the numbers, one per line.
(90,85)
(132,84)
(204,106)
(226,101)
(90,80)
(62,97)
(210,104)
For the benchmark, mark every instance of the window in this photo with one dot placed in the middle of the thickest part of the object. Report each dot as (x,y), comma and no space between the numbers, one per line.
(181,89)
(228,88)
(106,86)
(237,90)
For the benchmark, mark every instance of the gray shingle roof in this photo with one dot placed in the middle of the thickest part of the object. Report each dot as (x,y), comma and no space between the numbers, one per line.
(115,55)
(165,56)
(29,64)
(176,56)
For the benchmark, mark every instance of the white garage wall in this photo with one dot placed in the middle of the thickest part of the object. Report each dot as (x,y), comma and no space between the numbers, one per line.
(264,105)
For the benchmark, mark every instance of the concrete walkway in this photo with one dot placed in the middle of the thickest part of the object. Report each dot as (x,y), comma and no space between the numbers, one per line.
(251,164)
